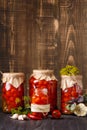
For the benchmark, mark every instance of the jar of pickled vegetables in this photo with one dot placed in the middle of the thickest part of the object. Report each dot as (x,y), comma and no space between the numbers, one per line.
(71,92)
(43,91)
(12,91)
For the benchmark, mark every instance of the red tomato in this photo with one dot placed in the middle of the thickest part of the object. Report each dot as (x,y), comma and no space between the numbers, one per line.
(66,92)
(36,100)
(45,82)
(33,99)
(3,89)
(32,80)
(44,99)
(13,90)
(11,99)
(65,99)
(41,82)
(56,113)
(8,94)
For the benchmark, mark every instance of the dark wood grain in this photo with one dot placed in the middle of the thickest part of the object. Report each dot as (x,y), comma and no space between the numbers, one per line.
(45,35)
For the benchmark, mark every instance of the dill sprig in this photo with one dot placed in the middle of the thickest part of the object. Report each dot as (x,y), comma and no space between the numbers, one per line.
(69,70)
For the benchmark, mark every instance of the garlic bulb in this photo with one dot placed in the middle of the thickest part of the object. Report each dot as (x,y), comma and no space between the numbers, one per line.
(80,110)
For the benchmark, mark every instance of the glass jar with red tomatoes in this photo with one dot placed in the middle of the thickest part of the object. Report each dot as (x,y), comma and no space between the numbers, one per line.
(43,91)
(71,92)
(12,91)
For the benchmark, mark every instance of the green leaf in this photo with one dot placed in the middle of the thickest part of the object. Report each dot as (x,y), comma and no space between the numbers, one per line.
(26,111)
(85,98)
(68,107)
(13,111)
(27,105)
(22,110)
(26,98)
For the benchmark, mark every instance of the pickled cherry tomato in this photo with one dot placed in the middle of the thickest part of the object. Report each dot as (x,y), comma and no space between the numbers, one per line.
(3,89)
(36,100)
(40,97)
(31,80)
(44,99)
(13,90)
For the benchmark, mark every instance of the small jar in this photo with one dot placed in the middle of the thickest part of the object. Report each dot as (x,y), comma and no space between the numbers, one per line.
(71,92)
(12,91)
(43,91)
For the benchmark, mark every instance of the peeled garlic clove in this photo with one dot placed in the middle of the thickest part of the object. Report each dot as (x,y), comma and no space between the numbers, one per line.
(24,116)
(14,116)
(20,117)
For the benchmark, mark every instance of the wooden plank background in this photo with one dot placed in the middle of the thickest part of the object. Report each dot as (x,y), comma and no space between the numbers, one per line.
(43,34)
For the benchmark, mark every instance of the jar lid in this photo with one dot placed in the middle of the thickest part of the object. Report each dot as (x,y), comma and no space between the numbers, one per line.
(13,74)
(44,74)
(72,76)
(43,71)
(13,78)
(69,81)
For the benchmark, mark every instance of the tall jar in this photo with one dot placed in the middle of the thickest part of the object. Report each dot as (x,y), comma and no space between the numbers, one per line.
(12,91)
(43,91)
(71,92)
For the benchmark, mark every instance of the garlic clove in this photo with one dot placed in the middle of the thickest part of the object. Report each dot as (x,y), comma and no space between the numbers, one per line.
(20,117)
(14,116)
(24,116)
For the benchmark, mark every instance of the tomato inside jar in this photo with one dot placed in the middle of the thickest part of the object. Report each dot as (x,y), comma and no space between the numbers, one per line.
(12,91)
(43,91)
(71,91)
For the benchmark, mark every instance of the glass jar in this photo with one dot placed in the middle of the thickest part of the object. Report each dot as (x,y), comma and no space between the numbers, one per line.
(71,92)
(12,91)
(43,91)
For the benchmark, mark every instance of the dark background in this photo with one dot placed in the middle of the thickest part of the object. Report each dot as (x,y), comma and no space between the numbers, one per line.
(43,34)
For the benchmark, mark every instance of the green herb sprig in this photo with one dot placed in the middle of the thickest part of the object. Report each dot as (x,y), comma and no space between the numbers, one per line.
(69,70)
(22,110)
